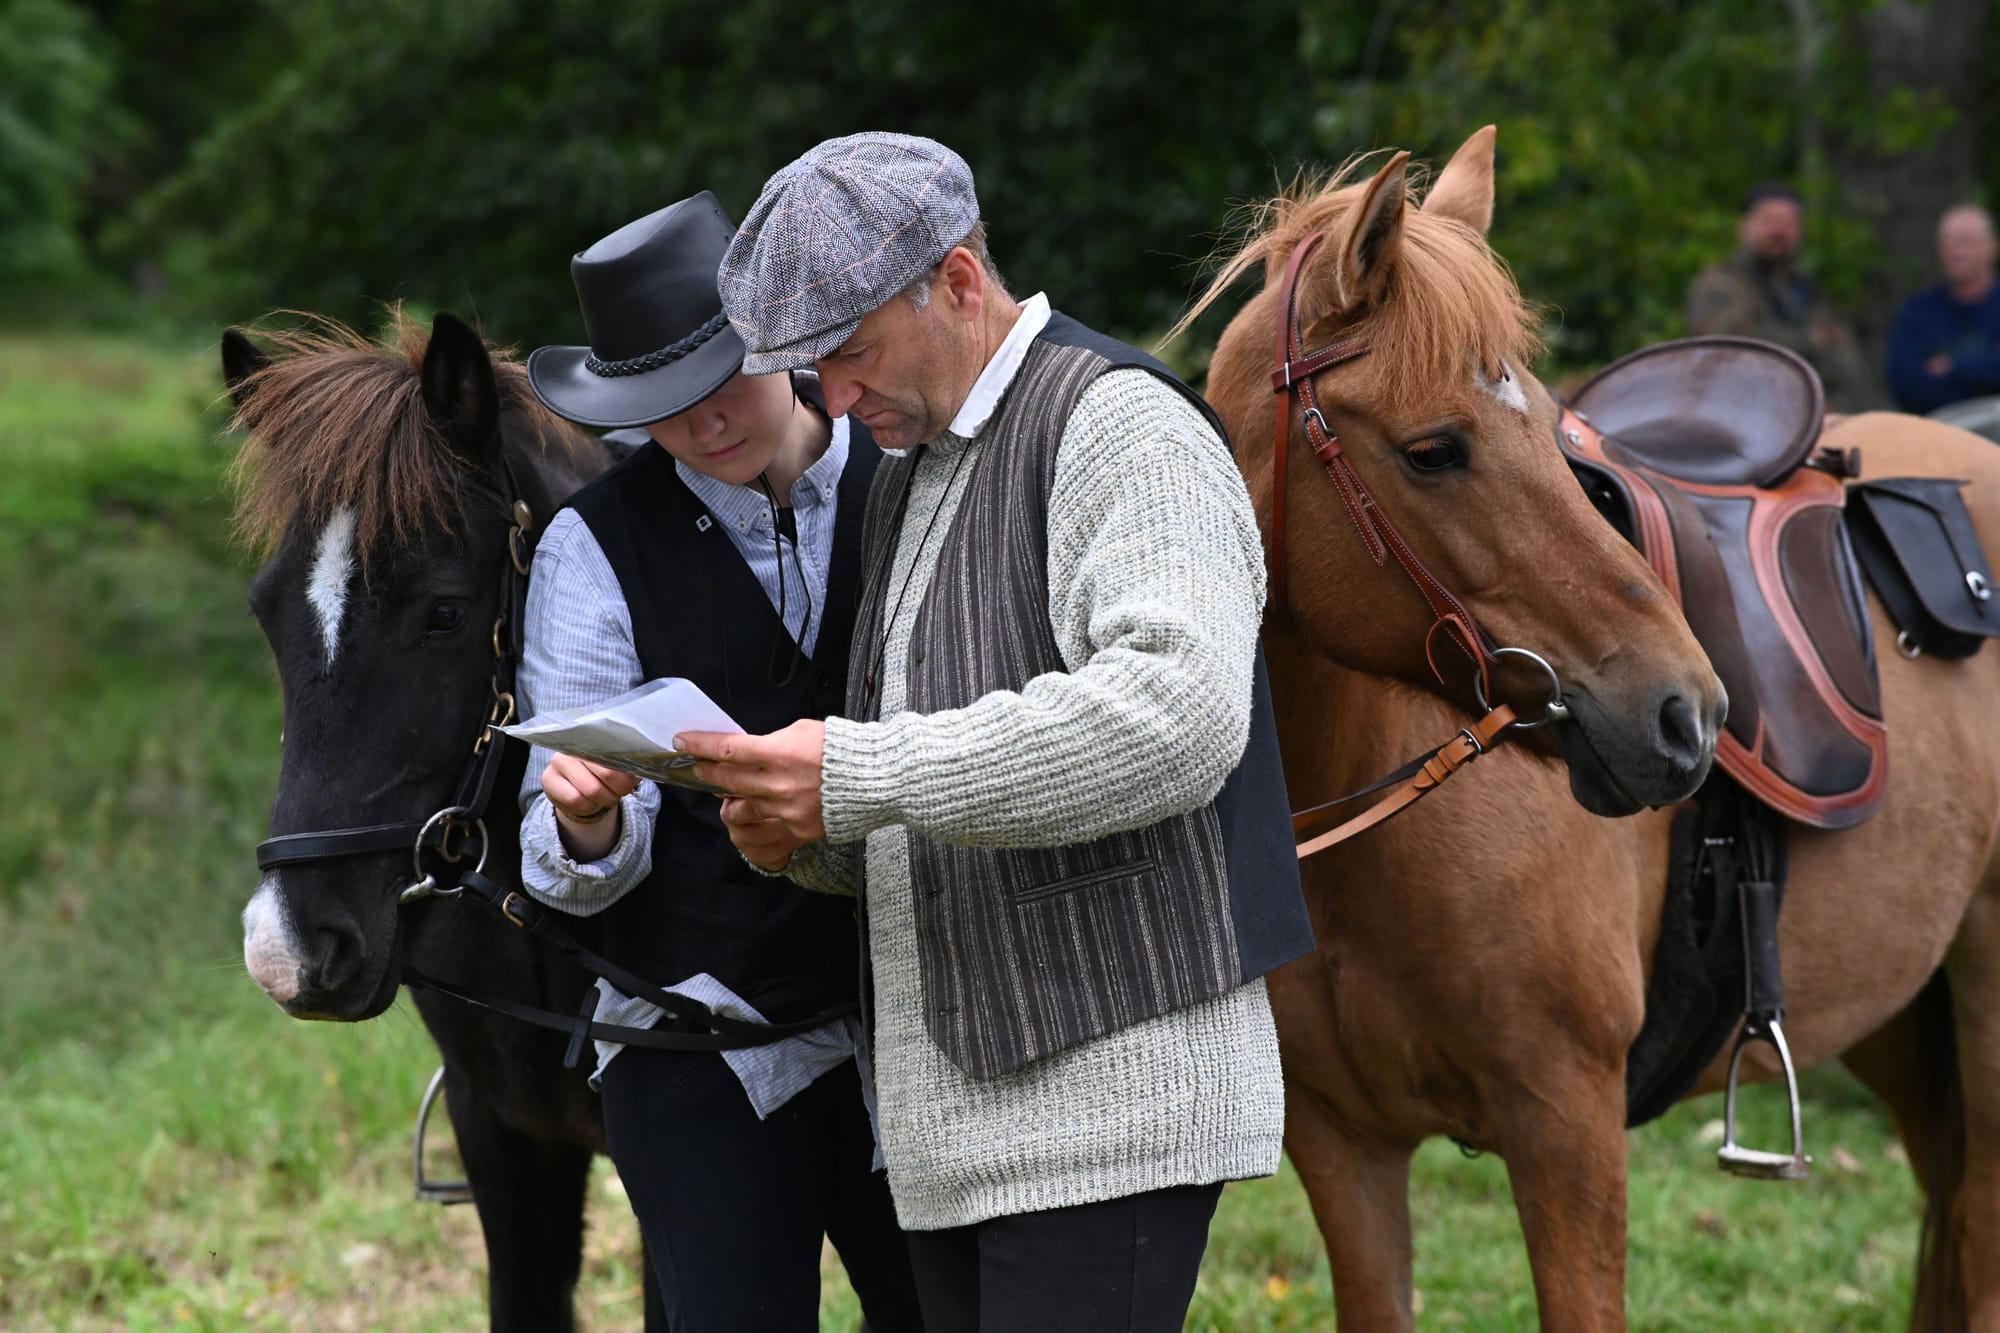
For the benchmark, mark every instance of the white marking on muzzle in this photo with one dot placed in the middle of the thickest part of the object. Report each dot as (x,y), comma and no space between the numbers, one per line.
(1507,389)
(332,571)
(270,948)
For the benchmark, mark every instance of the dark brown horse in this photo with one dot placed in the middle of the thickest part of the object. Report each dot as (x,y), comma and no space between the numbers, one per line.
(1483,960)
(379,481)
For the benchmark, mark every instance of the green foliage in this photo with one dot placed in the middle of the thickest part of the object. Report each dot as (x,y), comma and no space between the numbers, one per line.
(459,152)
(54,73)
(1628,135)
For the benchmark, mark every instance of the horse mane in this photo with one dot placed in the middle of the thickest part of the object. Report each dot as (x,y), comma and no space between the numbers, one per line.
(335,421)
(1449,297)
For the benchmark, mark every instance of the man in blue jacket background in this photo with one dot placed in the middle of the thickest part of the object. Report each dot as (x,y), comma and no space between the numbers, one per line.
(1945,346)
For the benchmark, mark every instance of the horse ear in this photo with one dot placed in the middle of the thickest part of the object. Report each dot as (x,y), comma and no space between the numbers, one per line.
(1371,245)
(458,386)
(1464,189)
(240,360)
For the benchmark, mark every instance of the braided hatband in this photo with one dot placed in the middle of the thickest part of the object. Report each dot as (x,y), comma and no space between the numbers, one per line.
(639,365)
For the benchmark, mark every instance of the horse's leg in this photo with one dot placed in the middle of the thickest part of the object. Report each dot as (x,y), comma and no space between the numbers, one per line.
(1898,1063)
(1360,1195)
(1911,1063)
(1962,1227)
(530,1194)
(1563,1138)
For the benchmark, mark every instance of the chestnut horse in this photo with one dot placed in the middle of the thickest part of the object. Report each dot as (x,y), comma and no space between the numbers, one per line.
(1483,960)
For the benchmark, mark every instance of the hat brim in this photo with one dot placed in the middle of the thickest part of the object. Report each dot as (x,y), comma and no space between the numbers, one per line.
(799,354)
(562,379)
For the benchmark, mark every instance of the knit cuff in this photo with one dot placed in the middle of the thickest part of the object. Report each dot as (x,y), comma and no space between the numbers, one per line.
(860,780)
(821,868)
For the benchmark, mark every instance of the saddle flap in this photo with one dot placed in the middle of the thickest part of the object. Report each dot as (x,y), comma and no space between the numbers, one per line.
(1917,542)
(1716,411)
(1768,583)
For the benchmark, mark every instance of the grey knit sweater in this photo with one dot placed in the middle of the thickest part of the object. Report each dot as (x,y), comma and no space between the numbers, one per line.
(1156,585)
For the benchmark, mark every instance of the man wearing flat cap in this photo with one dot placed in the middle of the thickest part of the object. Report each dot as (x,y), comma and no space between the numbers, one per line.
(1056,785)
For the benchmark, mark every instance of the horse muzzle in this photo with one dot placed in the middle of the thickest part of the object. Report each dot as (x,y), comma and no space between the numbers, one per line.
(1657,754)
(325,970)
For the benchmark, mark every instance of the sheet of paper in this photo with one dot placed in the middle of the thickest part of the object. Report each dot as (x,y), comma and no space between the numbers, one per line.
(633,732)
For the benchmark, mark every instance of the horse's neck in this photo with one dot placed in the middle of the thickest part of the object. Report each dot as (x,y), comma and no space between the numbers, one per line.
(1344,728)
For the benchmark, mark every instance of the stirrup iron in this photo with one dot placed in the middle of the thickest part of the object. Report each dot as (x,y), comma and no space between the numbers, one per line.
(428,1190)
(1753,1162)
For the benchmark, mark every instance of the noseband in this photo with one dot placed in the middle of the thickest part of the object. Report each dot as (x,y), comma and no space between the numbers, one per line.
(1292,381)
(448,832)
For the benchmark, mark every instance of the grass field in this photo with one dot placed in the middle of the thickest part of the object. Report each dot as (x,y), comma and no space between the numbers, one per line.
(174,1152)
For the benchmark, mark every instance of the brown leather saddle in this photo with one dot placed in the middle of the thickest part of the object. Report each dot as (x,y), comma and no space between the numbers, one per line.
(1704,452)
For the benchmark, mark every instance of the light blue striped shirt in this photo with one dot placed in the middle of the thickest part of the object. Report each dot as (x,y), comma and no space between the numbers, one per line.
(580,650)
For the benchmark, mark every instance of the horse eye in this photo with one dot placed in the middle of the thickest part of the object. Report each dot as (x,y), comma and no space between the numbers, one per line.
(1435,454)
(446,617)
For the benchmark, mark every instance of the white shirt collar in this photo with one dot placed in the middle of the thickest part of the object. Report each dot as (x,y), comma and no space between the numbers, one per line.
(991,386)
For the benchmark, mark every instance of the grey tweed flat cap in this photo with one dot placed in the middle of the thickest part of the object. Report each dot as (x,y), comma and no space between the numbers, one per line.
(836,234)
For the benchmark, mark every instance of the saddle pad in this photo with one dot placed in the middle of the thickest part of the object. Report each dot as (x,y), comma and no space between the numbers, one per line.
(1768,583)
(1713,411)
(1923,556)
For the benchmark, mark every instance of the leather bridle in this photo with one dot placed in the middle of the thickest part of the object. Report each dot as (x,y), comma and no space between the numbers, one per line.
(1292,381)
(686,1024)
(447,832)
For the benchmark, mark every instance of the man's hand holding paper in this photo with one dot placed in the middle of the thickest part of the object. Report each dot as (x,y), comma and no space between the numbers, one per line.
(776,779)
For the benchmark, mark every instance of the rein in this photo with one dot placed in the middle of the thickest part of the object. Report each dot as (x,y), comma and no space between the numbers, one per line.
(1292,381)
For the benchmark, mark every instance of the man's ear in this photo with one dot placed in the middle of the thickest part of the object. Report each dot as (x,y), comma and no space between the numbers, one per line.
(962,281)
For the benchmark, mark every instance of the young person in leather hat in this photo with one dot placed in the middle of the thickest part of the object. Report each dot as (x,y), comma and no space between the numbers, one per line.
(1056,780)
(728,555)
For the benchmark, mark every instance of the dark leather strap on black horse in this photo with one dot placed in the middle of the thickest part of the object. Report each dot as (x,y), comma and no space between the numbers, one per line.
(294,848)
(685,1014)
(669,1036)
(482,770)
(689,1024)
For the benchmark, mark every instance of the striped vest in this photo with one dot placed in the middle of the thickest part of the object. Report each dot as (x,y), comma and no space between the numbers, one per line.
(1025,952)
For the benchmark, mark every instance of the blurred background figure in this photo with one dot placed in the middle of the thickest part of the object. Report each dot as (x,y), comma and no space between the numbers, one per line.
(1944,350)
(1760,292)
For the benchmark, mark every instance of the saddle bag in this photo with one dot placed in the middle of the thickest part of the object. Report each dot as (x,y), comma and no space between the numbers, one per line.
(1921,554)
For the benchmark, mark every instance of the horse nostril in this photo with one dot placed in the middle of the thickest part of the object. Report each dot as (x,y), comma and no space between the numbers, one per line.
(1680,733)
(338,962)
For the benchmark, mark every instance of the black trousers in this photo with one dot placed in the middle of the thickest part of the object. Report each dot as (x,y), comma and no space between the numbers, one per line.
(733,1208)
(1123,1266)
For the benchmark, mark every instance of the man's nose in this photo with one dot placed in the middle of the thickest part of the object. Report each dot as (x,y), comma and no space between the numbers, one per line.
(842,392)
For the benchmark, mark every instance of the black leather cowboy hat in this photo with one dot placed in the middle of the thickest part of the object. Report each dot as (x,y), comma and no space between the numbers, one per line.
(659,342)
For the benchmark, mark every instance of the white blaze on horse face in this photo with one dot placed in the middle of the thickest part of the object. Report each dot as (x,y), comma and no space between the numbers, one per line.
(332,571)
(270,949)
(1507,389)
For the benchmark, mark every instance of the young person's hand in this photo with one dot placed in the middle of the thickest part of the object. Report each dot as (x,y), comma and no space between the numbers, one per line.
(776,775)
(585,796)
